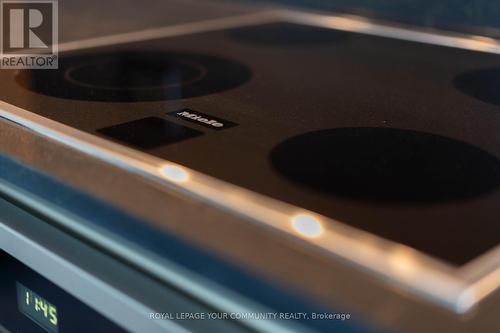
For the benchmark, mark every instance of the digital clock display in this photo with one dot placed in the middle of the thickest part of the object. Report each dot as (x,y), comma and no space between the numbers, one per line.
(28,304)
(37,308)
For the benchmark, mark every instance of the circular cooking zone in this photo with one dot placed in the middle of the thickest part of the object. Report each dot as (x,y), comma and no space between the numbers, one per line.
(287,34)
(482,84)
(387,165)
(127,76)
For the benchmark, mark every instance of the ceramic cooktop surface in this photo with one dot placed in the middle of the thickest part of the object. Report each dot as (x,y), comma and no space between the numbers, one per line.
(393,137)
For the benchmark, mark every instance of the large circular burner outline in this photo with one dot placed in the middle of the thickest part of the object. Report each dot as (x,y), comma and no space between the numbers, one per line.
(67,76)
(388,165)
(212,74)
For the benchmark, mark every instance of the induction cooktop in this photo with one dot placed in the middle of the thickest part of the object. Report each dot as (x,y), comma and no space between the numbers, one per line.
(391,137)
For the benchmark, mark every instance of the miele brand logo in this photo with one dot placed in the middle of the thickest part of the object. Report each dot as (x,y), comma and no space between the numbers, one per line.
(202,119)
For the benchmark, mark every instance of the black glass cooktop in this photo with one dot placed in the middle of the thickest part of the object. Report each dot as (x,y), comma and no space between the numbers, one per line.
(393,137)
